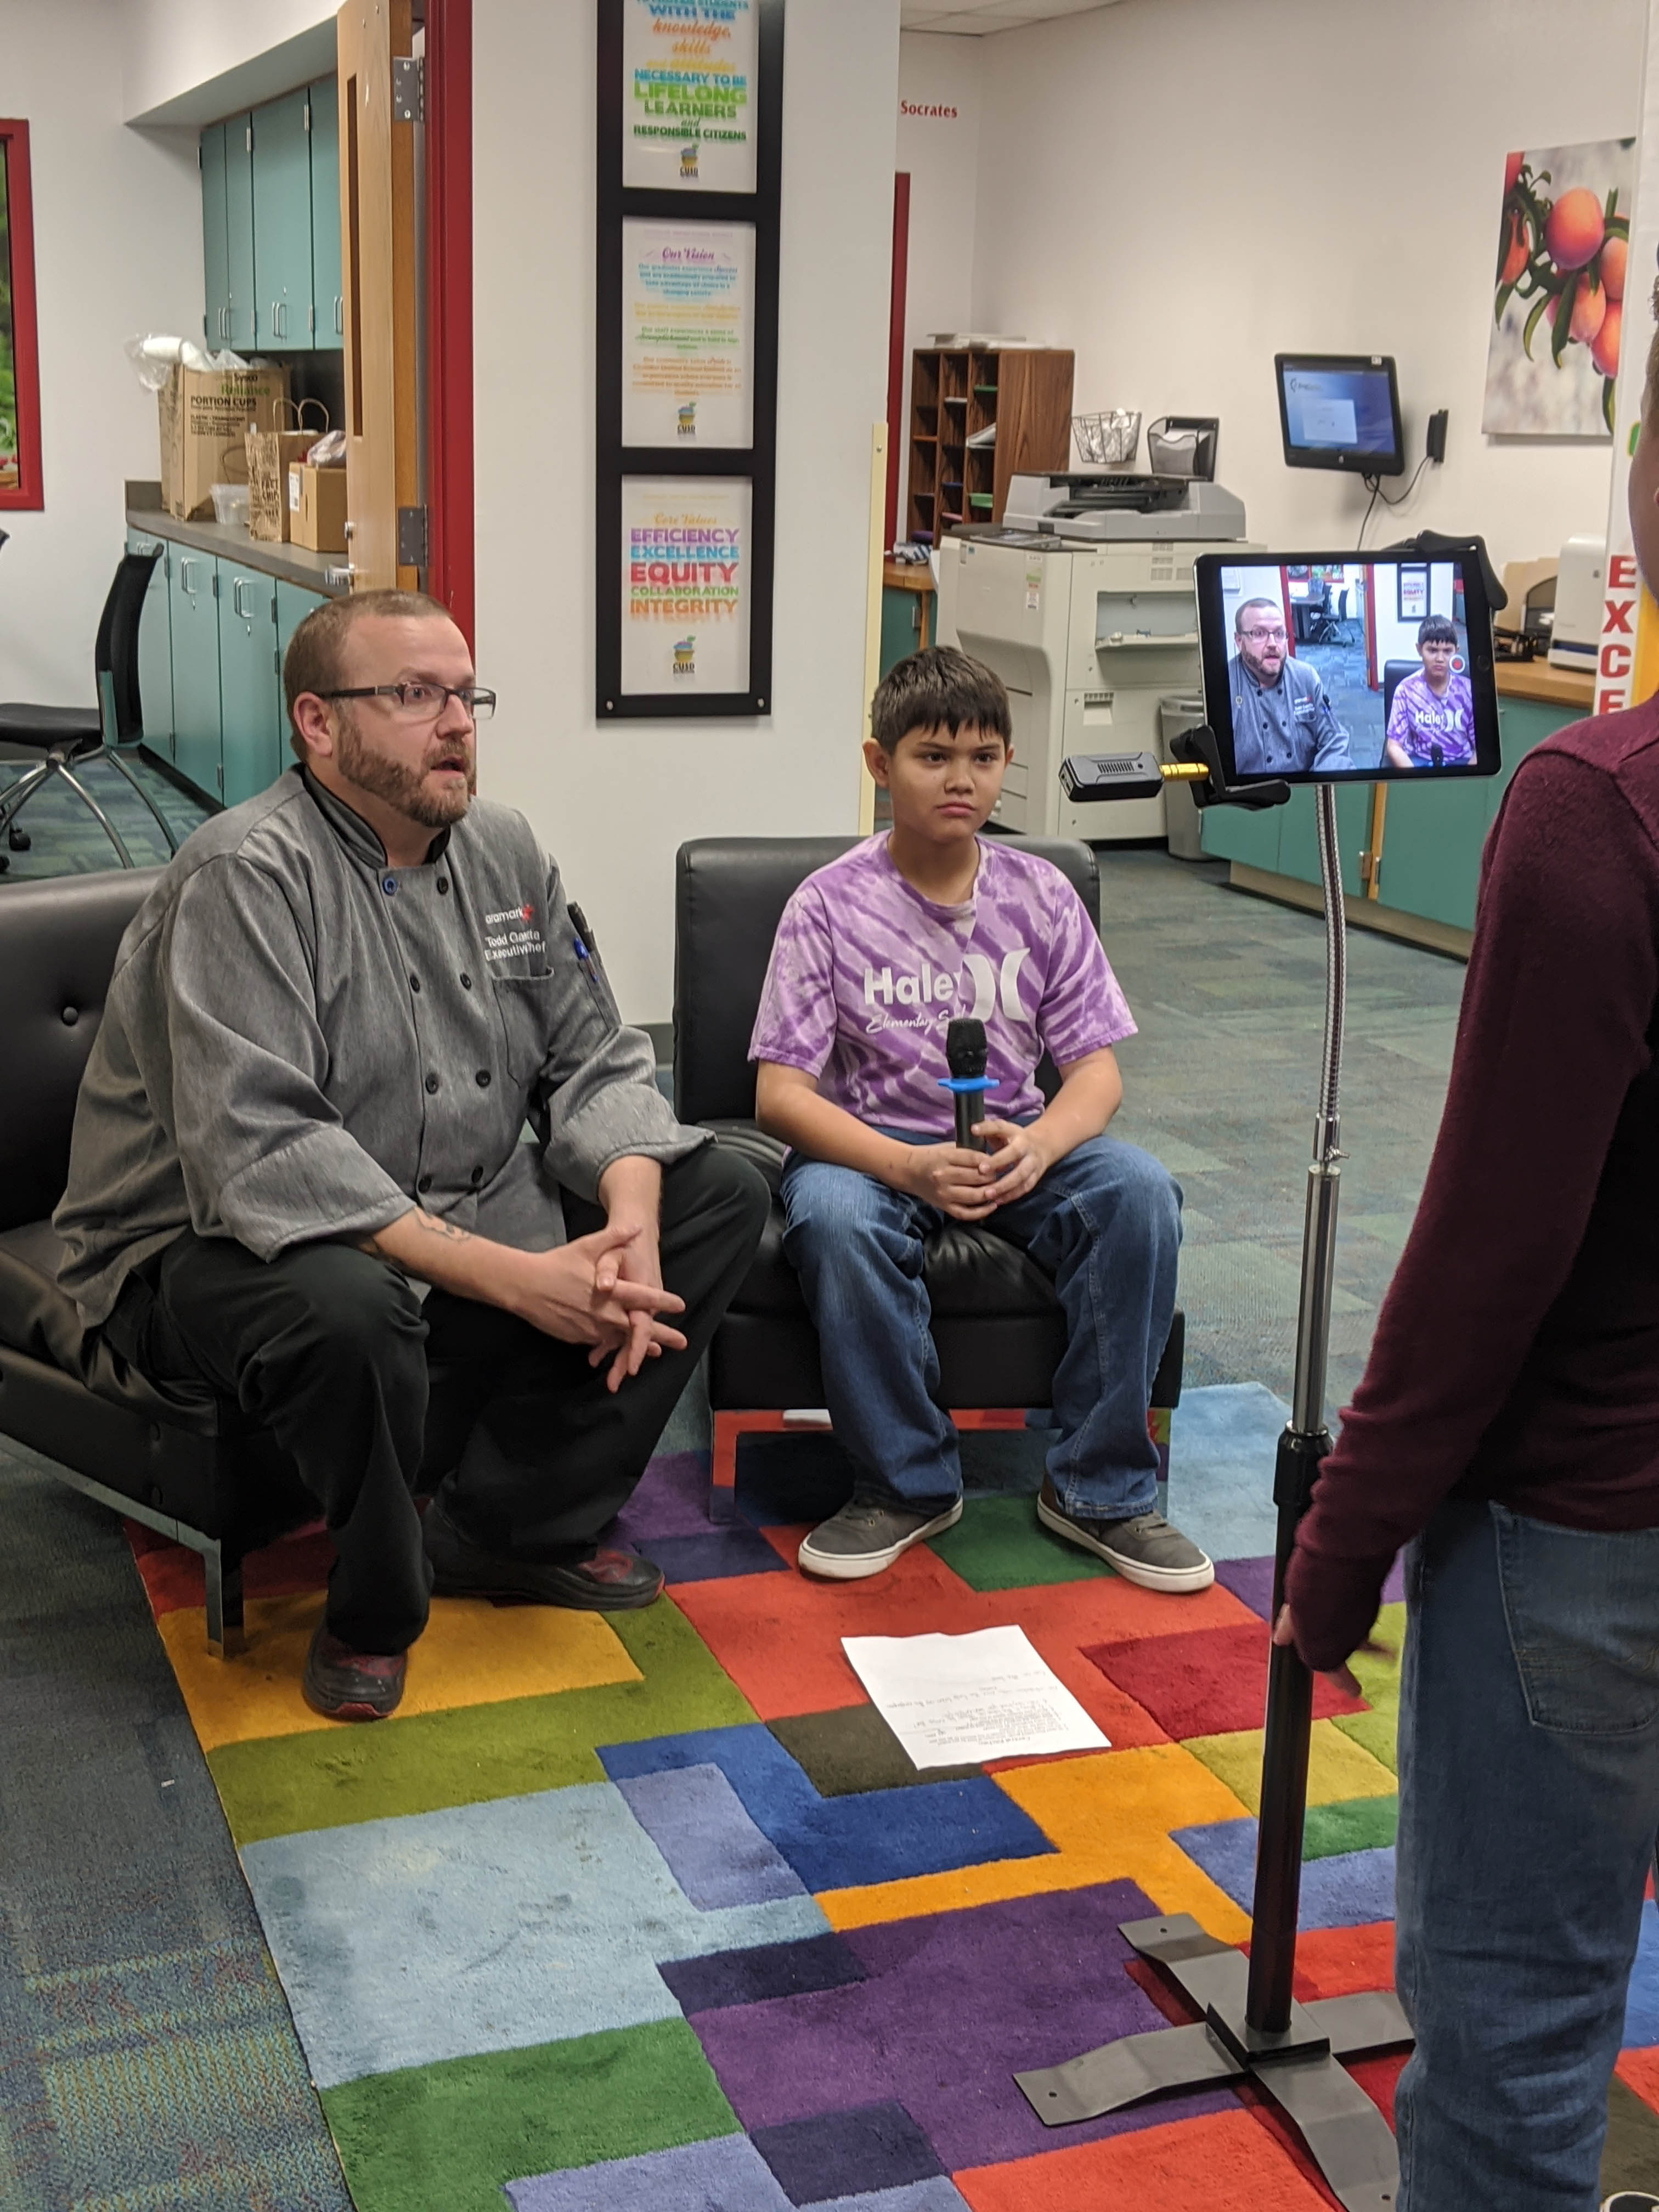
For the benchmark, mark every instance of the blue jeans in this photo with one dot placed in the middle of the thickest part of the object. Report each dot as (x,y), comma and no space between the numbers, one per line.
(1104,1223)
(1528,1804)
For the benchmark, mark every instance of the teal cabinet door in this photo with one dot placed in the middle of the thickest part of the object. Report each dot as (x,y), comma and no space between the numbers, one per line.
(294,604)
(1299,835)
(156,646)
(250,701)
(194,623)
(282,222)
(247,327)
(902,615)
(1234,833)
(215,241)
(1433,834)
(328,322)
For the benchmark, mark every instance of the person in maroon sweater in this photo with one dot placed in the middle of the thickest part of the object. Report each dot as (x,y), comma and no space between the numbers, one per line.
(1507,1432)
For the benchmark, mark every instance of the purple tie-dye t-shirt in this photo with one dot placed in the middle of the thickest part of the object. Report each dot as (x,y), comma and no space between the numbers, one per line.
(866,973)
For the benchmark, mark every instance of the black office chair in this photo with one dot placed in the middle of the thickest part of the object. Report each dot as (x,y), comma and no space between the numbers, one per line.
(82,735)
(996,1321)
(1394,673)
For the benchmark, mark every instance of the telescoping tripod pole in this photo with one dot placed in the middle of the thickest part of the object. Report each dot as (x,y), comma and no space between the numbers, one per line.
(1250,2023)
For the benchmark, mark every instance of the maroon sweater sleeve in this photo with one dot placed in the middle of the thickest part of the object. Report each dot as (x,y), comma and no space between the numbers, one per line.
(1559,994)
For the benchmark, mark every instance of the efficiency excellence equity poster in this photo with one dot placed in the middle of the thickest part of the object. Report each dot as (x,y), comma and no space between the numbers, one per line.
(685,584)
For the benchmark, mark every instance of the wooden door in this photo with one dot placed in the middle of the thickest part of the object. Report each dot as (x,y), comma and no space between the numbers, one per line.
(377,242)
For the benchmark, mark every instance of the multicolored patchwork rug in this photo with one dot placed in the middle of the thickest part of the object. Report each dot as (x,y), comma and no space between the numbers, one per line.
(650,1912)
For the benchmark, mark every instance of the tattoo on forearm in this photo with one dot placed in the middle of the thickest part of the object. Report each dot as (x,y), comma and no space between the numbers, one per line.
(434,1225)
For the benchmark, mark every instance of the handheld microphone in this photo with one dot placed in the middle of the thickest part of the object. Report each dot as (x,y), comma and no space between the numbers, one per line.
(965,1055)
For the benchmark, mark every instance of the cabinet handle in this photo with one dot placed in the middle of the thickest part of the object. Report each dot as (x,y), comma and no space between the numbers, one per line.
(339,315)
(185,583)
(238,588)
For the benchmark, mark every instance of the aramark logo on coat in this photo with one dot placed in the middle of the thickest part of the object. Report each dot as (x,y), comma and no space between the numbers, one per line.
(932,987)
(521,937)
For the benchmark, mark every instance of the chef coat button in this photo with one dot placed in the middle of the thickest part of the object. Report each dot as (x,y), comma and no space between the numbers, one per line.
(478,1177)
(425,1183)
(389,885)
(443,886)
(482,1078)
(414,982)
(466,981)
(432,1082)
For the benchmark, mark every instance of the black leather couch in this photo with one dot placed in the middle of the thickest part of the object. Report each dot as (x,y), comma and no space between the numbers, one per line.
(996,1321)
(178,1463)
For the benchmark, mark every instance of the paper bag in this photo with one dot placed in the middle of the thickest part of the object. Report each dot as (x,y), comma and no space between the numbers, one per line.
(269,451)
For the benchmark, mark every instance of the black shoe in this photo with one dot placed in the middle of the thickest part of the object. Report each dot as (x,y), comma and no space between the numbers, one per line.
(343,1685)
(611,1582)
(869,1534)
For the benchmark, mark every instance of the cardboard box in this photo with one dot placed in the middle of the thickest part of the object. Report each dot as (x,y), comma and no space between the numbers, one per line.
(203,413)
(317,507)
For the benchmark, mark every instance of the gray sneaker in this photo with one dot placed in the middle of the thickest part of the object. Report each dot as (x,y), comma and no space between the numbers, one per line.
(868,1534)
(1144,1548)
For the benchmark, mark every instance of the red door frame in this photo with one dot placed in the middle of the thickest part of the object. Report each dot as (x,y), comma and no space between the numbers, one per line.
(29,490)
(895,440)
(449,308)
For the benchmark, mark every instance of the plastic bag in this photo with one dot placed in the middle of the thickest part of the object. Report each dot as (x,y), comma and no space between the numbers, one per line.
(155,355)
(328,452)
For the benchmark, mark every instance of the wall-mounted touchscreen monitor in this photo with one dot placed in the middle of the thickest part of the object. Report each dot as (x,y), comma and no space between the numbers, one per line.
(1325,667)
(1340,411)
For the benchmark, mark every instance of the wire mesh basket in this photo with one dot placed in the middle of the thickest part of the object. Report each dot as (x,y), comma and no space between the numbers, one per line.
(1107,441)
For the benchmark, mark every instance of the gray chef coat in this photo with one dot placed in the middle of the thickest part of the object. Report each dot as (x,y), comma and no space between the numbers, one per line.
(1289,725)
(301,1041)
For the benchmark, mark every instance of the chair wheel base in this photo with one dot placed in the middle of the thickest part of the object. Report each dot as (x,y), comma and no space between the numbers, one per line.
(19,840)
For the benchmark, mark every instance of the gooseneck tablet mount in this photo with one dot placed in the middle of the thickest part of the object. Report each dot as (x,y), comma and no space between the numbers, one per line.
(1250,2023)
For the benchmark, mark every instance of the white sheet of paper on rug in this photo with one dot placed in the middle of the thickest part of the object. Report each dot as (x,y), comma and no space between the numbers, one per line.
(955,1700)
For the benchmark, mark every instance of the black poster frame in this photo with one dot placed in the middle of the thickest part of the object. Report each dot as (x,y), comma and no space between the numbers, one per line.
(614,462)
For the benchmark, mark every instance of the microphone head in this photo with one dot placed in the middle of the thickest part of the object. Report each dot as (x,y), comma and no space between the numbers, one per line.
(965,1047)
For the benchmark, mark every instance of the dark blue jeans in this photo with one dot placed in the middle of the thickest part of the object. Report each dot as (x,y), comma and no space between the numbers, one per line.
(1528,1804)
(1104,1223)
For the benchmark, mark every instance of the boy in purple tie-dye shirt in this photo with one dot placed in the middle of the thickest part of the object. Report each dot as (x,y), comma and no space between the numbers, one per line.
(874,956)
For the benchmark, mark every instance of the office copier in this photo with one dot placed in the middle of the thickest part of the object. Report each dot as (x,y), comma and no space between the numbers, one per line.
(1081,599)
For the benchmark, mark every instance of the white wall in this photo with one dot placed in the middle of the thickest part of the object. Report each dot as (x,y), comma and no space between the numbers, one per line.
(939,94)
(176,48)
(118,231)
(1181,188)
(615,803)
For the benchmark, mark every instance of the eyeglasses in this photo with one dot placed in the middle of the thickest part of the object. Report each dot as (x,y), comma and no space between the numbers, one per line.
(1258,636)
(424,702)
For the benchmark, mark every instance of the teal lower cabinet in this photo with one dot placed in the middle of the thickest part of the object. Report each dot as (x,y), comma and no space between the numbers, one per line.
(195,653)
(1433,833)
(1298,835)
(155,647)
(250,696)
(1240,833)
(904,616)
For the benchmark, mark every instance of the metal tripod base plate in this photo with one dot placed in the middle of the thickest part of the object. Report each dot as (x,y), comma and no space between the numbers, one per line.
(1351,2141)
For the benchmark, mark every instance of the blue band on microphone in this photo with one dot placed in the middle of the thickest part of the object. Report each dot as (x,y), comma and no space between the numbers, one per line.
(966,1083)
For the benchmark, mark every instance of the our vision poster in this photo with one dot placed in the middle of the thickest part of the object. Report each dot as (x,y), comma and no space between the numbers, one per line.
(688,95)
(685,584)
(687,334)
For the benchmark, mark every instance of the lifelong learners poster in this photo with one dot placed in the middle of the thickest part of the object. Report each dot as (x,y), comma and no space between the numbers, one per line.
(685,584)
(687,334)
(688,92)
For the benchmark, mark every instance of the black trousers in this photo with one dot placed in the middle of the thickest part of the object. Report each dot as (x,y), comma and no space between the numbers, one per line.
(329,1348)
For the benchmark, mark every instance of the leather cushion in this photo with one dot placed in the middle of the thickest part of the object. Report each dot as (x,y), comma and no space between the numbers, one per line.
(970,1272)
(37,1318)
(66,730)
